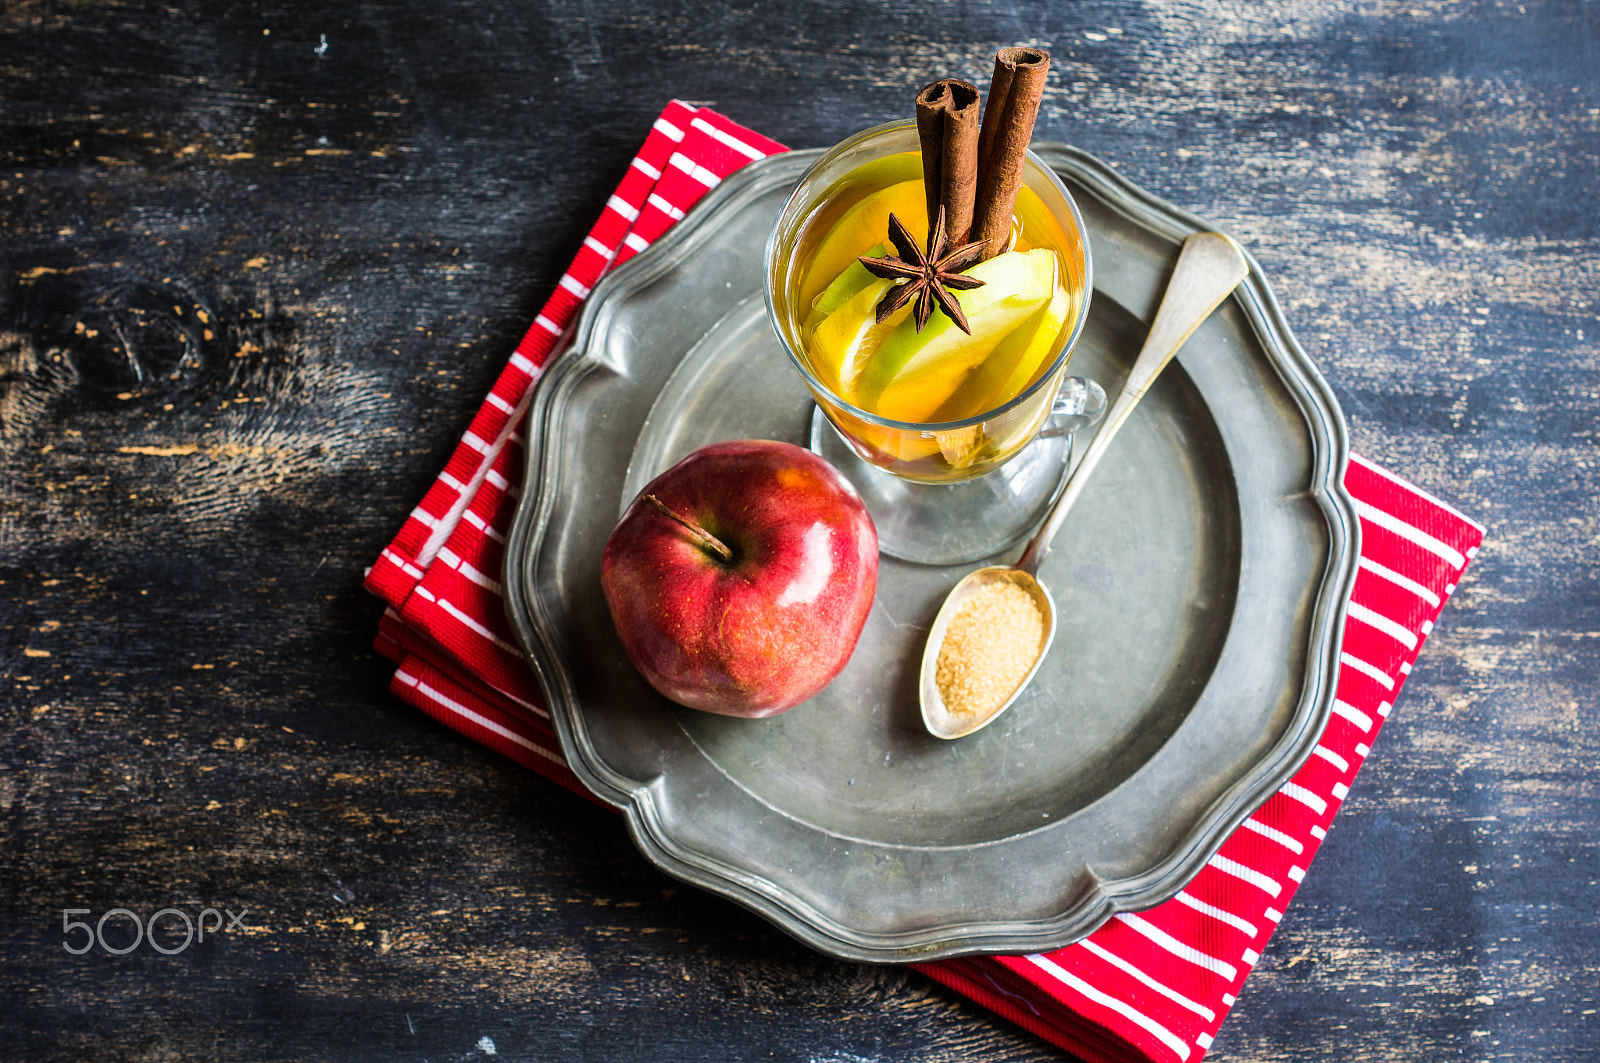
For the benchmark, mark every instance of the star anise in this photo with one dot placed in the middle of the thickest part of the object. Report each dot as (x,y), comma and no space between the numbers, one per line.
(929,275)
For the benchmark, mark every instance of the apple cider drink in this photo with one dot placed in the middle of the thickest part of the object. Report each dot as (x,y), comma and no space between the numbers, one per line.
(1019,318)
(861,290)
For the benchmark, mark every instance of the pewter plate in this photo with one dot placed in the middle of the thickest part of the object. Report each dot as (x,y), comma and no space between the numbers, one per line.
(1201,582)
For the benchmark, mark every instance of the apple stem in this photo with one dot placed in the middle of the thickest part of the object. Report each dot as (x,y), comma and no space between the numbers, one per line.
(705,538)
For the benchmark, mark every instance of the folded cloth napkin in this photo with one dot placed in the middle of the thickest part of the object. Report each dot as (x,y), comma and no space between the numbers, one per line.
(1153,985)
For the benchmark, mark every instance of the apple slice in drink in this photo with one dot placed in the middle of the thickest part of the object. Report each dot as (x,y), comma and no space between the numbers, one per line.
(912,375)
(854,278)
(1012,365)
(846,338)
(1036,341)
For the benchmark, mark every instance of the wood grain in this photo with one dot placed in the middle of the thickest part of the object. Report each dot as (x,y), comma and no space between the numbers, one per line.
(257,267)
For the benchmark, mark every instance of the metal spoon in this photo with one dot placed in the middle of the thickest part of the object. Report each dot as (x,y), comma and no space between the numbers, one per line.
(1209,267)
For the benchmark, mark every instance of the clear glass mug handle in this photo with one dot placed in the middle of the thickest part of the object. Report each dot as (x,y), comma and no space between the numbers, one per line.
(1080,403)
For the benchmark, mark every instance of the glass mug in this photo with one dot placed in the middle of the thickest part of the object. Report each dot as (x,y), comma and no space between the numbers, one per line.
(927,479)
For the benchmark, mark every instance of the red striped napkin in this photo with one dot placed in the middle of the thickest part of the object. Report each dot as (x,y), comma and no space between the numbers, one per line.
(1154,985)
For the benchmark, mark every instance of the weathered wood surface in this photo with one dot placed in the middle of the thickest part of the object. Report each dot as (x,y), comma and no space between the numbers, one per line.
(258,266)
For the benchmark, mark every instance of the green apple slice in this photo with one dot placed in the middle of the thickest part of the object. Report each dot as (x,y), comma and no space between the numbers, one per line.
(854,278)
(1012,365)
(844,340)
(912,375)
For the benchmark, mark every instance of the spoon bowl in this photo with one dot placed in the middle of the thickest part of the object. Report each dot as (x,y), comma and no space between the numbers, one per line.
(1209,267)
(941,719)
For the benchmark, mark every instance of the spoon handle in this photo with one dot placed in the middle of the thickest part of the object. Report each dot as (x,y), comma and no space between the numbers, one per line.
(1209,267)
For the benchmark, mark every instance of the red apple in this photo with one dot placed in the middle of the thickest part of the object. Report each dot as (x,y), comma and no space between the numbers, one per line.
(740,579)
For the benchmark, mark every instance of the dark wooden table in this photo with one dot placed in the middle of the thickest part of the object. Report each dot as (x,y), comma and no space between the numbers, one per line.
(257,267)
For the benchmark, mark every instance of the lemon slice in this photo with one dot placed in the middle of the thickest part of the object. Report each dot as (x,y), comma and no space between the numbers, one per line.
(863,225)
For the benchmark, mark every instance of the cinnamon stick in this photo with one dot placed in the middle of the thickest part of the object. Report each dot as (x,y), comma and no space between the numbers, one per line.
(1008,118)
(947,125)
